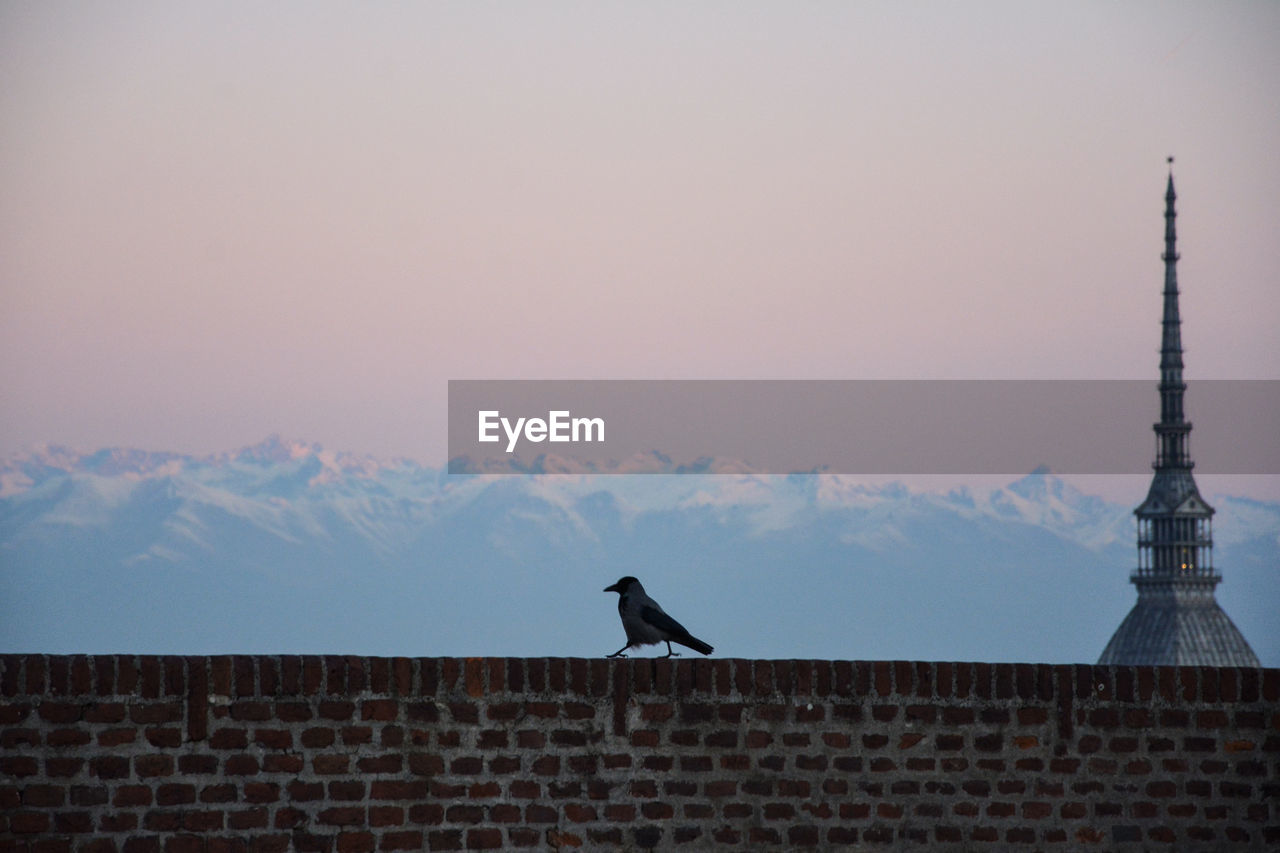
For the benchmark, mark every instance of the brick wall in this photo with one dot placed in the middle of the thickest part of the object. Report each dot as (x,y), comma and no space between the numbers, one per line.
(353,753)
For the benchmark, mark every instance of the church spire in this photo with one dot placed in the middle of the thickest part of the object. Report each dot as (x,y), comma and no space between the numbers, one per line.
(1174,539)
(1172,431)
(1176,619)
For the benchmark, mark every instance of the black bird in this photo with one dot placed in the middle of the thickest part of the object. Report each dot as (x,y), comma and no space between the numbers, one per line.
(646,623)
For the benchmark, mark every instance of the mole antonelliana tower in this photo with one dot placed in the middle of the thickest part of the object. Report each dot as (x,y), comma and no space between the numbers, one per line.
(1177,620)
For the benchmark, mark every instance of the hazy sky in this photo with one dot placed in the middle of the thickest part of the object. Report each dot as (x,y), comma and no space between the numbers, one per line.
(222,220)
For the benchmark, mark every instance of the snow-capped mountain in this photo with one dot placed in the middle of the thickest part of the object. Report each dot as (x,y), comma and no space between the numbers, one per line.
(287,546)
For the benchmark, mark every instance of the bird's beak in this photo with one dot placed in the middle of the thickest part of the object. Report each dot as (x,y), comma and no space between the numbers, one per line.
(612,588)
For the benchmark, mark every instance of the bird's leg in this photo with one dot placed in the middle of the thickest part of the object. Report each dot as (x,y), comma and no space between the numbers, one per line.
(670,653)
(618,653)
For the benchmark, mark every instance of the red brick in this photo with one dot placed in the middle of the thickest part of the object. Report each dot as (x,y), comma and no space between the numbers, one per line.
(503,765)
(357,673)
(547,672)
(445,839)
(329,764)
(81,675)
(149,766)
(759,835)
(38,796)
(10,668)
(241,765)
(164,738)
(156,713)
(105,712)
(484,790)
(355,842)
(390,763)
(61,738)
(1270,684)
(282,762)
(220,676)
(467,713)
(318,738)
(1212,719)
(116,737)
(60,712)
(524,789)
(348,789)
(384,710)
(310,673)
(174,794)
(386,816)
(343,816)
(335,674)
(59,675)
(206,821)
(803,836)
(338,710)
(425,764)
(229,738)
(763,670)
(79,795)
(35,681)
(268,675)
(162,821)
(406,840)
(273,738)
(1089,835)
(467,765)
(288,818)
(29,823)
(261,792)
(197,764)
(218,794)
(300,791)
(197,704)
(293,712)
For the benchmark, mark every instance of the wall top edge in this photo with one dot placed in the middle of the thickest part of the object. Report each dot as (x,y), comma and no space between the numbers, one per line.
(720,679)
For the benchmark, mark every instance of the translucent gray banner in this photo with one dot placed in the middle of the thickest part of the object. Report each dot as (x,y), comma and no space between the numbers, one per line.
(851,426)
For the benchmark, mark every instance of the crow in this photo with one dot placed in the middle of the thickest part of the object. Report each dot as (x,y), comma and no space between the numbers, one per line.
(646,623)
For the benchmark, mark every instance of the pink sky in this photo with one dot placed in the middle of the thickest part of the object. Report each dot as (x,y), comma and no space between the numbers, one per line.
(223,220)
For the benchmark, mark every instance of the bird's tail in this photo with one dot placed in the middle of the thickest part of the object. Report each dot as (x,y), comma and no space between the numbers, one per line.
(695,644)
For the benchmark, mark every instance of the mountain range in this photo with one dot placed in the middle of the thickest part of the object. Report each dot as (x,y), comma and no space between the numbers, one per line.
(286,546)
